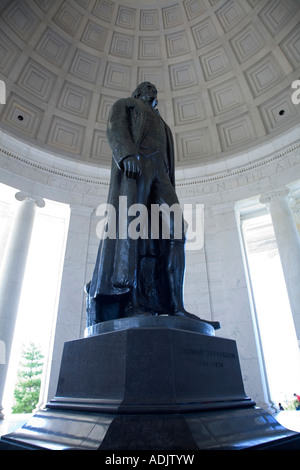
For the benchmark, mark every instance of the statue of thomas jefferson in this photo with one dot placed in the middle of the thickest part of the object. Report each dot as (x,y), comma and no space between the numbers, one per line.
(139,276)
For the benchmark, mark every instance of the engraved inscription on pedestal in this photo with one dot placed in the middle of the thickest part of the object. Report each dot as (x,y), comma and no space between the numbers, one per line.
(214,364)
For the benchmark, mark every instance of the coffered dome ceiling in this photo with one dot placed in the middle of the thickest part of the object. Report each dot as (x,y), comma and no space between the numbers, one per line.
(223,69)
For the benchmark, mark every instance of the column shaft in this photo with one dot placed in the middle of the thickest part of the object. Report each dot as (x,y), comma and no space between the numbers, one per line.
(11,276)
(71,308)
(288,243)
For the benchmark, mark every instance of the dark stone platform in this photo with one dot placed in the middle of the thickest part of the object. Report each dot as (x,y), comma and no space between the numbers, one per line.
(244,429)
(150,367)
(150,383)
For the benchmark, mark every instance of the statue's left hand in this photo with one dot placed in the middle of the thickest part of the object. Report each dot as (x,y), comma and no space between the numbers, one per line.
(131,166)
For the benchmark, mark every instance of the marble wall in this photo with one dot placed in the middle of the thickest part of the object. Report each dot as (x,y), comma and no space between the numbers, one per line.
(216,284)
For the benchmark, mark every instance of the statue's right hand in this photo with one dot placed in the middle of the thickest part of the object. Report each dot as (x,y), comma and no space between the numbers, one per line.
(131,166)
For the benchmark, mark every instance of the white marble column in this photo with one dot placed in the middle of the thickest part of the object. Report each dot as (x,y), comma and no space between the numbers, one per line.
(72,296)
(11,276)
(295,207)
(229,295)
(288,243)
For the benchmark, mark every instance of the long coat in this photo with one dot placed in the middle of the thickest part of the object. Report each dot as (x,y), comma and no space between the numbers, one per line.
(115,271)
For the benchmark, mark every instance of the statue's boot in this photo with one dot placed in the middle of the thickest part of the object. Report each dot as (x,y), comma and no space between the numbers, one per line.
(175,269)
(133,309)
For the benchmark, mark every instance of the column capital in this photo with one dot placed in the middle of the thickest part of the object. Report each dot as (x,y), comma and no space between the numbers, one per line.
(276,193)
(24,196)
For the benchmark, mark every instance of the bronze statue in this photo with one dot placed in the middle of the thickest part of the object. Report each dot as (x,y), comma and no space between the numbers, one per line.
(140,276)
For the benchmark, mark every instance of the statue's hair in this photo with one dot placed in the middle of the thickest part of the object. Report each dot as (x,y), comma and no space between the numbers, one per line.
(137,91)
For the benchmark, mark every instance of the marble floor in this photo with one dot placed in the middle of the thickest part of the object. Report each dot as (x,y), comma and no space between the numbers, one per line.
(12,422)
(289,419)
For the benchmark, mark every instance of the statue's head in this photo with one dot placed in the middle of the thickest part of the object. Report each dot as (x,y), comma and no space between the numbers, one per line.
(146,91)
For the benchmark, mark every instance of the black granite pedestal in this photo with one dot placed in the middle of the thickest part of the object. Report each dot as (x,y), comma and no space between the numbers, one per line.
(150,383)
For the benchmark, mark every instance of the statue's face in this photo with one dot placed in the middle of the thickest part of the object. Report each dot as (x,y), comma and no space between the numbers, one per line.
(148,93)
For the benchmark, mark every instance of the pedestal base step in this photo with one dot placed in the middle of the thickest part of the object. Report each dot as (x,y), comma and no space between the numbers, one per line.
(250,428)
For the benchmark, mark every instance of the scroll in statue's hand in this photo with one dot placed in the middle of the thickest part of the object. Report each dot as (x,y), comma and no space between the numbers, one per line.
(131,166)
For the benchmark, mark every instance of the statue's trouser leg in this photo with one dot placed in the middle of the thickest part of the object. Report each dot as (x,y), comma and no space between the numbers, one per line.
(175,270)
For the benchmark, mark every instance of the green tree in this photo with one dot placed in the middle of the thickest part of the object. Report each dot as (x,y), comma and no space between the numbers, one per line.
(27,389)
